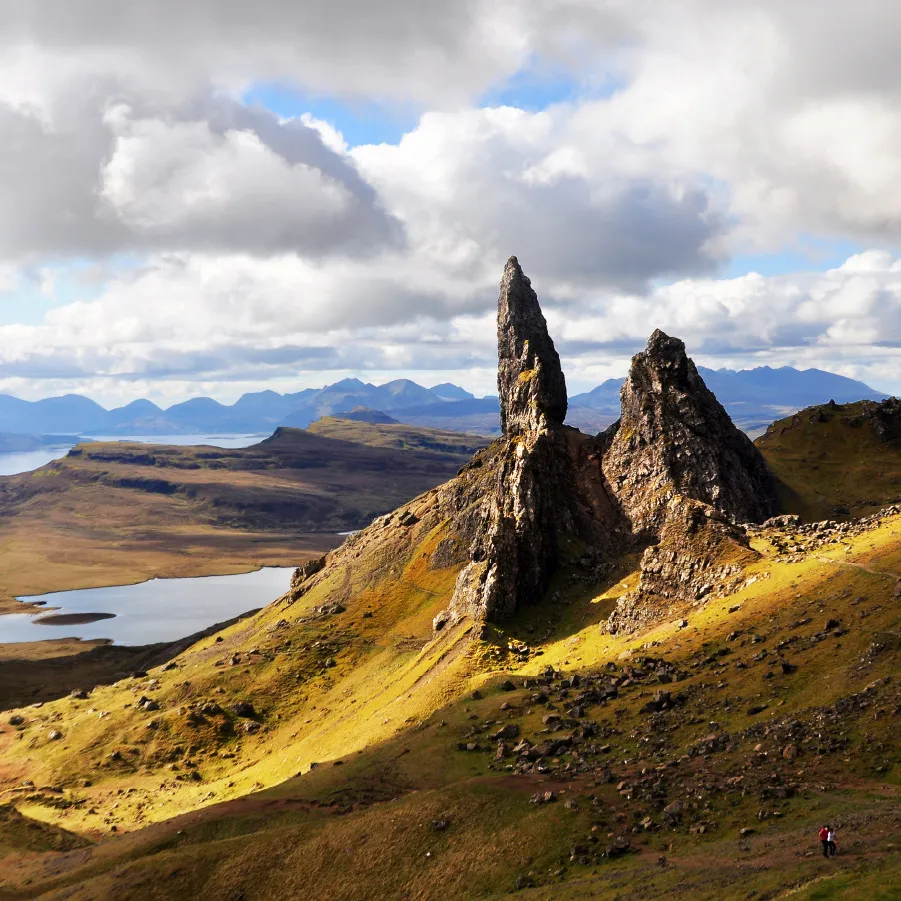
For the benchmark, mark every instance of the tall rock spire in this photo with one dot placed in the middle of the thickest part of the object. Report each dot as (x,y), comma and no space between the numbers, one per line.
(515,550)
(530,382)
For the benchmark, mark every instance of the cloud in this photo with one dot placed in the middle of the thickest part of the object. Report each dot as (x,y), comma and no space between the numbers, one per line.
(242,319)
(234,244)
(475,186)
(237,179)
(400,48)
(110,177)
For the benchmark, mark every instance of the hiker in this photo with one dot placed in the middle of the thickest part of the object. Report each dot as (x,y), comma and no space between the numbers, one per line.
(830,840)
(824,840)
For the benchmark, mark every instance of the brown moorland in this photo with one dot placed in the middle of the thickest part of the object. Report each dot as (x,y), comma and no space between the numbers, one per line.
(117,513)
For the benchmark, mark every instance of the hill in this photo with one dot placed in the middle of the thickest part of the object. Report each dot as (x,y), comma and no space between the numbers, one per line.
(119,512)
(837,461)
(398,435)
(582,667)
(15,442)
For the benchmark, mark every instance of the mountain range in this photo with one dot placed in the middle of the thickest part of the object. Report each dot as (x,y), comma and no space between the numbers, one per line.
(753,398)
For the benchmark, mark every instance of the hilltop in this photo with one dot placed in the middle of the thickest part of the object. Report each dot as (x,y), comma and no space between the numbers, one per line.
(585,666)
(16,442)
(837,461)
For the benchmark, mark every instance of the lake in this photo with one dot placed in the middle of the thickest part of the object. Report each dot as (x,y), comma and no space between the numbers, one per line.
(149,612)
(25,461)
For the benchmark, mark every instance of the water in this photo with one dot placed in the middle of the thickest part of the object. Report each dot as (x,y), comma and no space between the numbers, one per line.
(150,612)
(26,461)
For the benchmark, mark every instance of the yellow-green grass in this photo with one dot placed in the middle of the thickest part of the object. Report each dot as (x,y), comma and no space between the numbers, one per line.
(396,704)
(398,435)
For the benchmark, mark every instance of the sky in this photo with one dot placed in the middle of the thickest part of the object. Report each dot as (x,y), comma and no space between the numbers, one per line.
(215,197)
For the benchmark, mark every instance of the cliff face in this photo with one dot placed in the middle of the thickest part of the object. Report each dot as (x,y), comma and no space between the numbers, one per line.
(673,475)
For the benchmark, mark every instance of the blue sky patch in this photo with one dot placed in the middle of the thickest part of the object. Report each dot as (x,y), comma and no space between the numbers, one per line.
(360,121)
(808,255)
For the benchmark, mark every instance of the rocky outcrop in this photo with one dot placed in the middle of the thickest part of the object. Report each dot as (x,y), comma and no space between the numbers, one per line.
(697,554)
(686,479)
(516,546)
(674,476)
(675,439)
(884,417)
(530,380)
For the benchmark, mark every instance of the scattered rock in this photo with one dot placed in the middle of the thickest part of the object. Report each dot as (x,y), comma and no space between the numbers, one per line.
(511,730)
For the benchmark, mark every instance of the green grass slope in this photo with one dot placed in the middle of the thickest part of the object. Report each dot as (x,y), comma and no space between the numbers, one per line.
(696,760)
(836,461)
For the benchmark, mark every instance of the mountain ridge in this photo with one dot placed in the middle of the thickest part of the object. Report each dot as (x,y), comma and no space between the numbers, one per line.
(753,397)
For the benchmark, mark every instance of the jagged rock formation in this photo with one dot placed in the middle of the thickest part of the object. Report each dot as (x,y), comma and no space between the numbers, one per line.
(674,476)
(696,554)
(516,547)
(685,478)
(530,381)
(675,439)
(883,417)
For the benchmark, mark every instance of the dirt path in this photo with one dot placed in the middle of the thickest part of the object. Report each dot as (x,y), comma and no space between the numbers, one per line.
(863,566)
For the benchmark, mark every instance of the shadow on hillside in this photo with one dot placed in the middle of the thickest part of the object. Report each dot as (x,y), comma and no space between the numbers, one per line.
(574,601)
(32,676)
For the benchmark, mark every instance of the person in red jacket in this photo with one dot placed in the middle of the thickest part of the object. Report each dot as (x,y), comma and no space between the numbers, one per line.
(824,840)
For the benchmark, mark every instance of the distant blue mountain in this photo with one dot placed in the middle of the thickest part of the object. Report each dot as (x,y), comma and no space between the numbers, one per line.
(257,412)
(753,397)
(447,391)
(70,413)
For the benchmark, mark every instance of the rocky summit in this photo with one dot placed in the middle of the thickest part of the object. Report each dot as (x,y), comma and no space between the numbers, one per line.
(530,381)
(675,439)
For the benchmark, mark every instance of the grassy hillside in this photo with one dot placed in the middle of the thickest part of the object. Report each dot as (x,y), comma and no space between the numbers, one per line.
(694,761)
(117,513)
(398,435)
(836,461)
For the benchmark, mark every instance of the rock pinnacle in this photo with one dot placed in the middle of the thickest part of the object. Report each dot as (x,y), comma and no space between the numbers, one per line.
(530,382)
(675,438)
